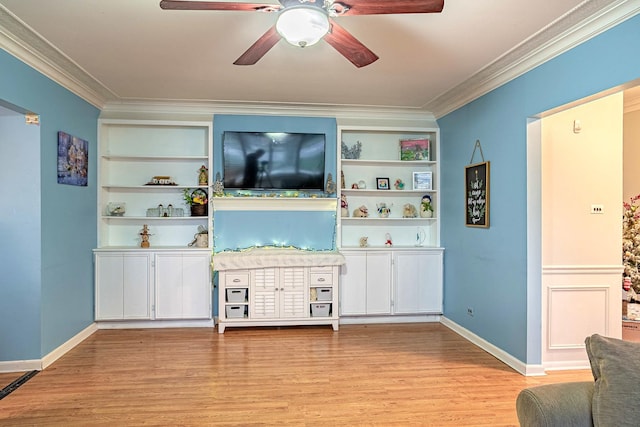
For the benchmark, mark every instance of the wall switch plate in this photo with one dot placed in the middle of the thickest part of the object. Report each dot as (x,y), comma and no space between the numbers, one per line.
(597,209)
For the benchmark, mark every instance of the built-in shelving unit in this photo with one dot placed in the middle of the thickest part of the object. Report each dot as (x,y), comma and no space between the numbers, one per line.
(169,280)
(405,277)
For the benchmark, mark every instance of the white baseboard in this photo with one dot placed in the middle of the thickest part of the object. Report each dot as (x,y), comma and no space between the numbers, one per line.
(367,320)
(74,341)
(150,324)
(523,368)
(20,365)
(40,364)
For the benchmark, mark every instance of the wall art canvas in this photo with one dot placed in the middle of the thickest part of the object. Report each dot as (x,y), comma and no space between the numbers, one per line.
(73,160)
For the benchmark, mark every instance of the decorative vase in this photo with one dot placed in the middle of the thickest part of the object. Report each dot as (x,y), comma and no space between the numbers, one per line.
(199,210)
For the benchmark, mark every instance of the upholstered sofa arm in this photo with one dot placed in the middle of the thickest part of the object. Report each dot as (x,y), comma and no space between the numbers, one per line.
(563,404)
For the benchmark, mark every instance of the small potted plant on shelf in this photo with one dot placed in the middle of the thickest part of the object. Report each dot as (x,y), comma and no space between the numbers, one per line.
(198,201)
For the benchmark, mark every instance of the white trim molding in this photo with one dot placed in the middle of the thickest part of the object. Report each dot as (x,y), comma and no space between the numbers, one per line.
(40,364)
(498,353)
(589,19)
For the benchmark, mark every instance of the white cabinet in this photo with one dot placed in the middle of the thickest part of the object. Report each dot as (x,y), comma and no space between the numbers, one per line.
(278,296)
(123,290)
(183,286)
(418,282)
(130,154)
(394,282)
(379,163)
(135,284)
(365,283)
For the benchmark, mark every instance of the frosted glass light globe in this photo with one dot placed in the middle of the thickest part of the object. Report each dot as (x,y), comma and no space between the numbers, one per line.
(302,25)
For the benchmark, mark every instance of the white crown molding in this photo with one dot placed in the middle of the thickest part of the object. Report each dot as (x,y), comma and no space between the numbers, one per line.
(170,108)
(589,19)
(21,41)
(584,22)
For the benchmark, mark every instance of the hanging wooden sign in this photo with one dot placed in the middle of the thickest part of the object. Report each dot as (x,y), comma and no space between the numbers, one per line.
(476,178)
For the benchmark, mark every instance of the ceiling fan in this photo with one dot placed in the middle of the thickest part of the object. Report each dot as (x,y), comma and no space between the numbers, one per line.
(305,22)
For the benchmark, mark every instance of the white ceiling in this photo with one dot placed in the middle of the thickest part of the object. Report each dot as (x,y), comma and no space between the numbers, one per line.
(124,50)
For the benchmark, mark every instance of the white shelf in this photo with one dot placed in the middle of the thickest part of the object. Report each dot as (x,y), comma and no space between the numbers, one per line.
(274,203)
(372,219)
(373,162)
(154,218)
(359,192)
(152,187)
(130,154)
(153,158)
(380,158)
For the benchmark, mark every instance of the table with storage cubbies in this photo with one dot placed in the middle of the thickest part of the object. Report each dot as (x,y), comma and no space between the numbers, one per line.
(277,287)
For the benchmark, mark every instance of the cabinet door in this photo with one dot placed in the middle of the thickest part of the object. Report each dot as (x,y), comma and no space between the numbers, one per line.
(168,286)
(196,286)
(293,283)
(122,286)
(418,282)
(353,284)
(378,283)
(183,286)
(109,286)
(137,286)
(365,284)
(264,289)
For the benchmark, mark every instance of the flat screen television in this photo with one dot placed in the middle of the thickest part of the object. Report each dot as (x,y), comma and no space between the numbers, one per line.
(273,161)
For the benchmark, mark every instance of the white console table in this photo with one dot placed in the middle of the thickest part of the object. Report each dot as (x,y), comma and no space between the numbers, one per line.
(277,287)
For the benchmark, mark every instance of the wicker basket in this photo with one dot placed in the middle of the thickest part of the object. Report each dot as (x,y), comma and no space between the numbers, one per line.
(199,210)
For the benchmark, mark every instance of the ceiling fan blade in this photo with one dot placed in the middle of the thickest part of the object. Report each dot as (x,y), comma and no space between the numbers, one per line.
(349,46)
(386,7)
(215,5)
(259,48)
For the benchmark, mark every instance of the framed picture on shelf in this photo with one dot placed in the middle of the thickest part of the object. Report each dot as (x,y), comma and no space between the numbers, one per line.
(382,183)
(423,180)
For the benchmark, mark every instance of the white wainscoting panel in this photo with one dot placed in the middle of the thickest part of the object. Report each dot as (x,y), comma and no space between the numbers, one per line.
(575,313)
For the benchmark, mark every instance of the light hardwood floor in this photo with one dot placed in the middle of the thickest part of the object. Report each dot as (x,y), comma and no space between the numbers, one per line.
(362,375)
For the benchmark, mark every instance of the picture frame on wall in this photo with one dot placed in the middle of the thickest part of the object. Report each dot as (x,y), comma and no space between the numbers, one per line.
(382,183)
(476,178)
(73,160)
(423,180)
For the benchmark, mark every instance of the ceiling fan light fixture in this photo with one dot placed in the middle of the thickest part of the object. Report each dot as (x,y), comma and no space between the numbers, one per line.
(302,25)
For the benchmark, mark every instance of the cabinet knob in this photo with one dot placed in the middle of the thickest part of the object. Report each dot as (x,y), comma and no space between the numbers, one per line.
(236,280)
(321,279)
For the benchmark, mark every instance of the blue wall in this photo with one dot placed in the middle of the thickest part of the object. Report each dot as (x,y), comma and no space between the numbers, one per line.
(243,229)
(487,268)
(60,279)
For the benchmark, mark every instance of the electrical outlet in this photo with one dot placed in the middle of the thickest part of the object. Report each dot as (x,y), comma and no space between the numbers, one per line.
(470,311)
(597,209)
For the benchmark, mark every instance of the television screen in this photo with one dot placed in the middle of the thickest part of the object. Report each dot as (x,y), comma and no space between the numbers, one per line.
(273,161)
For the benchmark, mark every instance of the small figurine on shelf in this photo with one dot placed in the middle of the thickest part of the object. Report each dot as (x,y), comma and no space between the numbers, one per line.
(144,236)
(399,184)
(364,242)
(388,241)
(344,206)
(426,210)
(331,185)
(409,211)
(361,212)
(218,186)
(203,176)
(383,210)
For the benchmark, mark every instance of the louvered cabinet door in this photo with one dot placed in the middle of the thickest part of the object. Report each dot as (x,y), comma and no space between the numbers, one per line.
(264,292)
(293,285)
